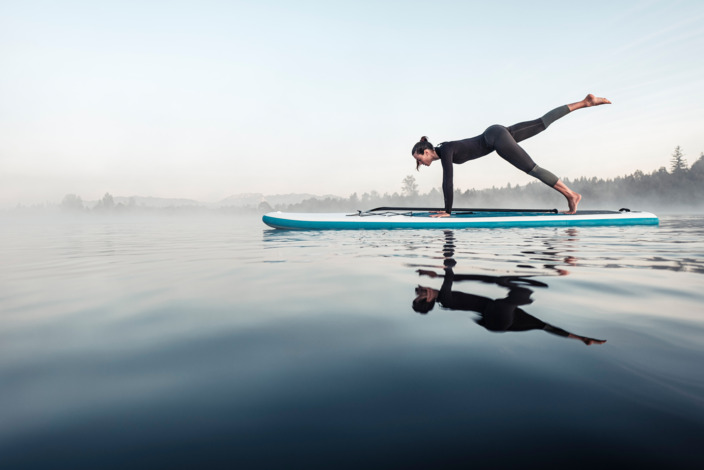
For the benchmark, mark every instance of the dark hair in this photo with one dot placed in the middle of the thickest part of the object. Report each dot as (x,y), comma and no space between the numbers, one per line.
(420,148)
(420,303)
(422,306)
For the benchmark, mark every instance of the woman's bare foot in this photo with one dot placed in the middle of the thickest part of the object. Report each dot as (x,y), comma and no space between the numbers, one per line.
(587,102)
(572,202)
(590,341)
(587,341)
(592,100)
(572,197)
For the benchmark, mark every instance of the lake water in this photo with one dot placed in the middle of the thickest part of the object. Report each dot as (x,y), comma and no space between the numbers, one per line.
(216,342)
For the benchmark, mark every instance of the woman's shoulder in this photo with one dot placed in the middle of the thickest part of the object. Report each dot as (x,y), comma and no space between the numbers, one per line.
(445,149)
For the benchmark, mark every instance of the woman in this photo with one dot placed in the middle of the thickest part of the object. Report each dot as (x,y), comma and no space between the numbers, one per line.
(505,141)
(497,315)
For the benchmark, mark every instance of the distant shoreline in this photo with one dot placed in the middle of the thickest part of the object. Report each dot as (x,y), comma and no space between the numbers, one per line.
(681,188)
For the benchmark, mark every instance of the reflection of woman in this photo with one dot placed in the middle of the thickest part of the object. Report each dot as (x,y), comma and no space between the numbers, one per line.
(503,140)
(496,315)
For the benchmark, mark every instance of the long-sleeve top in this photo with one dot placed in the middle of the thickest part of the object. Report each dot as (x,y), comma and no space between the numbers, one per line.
(458,151)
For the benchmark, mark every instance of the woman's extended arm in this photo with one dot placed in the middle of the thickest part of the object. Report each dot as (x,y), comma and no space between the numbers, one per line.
(447,184)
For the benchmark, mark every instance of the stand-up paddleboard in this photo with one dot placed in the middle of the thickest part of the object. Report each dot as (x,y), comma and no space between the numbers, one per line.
(419,217)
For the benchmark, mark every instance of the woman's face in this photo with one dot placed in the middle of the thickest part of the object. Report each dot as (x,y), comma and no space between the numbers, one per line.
(425,158)
(426,293)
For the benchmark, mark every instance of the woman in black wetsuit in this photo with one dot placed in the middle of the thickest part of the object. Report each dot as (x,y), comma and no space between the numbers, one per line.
(495,315)
(505,141)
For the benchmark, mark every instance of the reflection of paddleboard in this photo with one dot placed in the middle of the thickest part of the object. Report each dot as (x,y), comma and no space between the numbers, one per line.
(412,218)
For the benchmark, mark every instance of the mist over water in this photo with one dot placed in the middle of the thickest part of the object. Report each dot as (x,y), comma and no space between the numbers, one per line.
(164,341)
(680,190)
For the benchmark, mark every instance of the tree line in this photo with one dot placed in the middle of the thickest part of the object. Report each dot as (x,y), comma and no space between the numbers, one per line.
(679,187)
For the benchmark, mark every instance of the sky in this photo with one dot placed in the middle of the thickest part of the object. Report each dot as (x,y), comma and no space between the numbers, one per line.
(206,99)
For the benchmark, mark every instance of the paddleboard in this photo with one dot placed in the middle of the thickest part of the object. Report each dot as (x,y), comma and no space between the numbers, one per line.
(420,218)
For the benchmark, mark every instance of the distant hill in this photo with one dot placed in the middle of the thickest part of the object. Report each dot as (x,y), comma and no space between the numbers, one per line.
(244,200)
(254,199)
(151,202)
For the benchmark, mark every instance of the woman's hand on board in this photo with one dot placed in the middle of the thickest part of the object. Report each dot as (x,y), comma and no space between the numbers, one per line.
(439,214)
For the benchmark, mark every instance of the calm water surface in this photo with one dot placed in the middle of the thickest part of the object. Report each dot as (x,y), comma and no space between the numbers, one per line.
(213,341)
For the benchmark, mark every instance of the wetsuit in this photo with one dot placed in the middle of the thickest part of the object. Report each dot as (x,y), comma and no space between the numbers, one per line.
(503,140)
(496,315)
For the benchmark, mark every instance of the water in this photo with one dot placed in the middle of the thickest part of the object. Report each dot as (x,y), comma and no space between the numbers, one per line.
(138,342)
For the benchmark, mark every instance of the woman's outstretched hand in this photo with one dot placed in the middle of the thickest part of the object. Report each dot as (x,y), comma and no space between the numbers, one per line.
(425,272)
(439,214)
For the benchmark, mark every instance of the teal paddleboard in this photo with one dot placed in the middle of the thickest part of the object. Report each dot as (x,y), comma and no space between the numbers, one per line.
(400,218)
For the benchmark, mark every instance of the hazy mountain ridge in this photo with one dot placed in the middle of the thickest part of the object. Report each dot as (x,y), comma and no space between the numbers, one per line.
(242,200)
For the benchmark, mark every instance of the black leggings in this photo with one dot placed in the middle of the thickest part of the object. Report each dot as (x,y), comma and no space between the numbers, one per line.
(505,141)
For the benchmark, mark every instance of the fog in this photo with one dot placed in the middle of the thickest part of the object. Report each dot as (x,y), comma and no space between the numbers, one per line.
(679,189)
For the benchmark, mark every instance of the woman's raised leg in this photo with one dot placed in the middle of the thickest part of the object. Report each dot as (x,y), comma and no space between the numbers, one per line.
(527,129)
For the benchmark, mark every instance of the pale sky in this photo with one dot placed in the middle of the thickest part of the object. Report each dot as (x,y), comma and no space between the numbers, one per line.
(205,99)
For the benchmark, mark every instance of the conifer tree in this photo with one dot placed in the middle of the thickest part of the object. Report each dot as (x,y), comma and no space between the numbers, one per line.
(677,162)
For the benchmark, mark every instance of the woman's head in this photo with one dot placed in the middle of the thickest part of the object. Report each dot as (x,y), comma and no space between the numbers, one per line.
(425,299)
(419,153)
